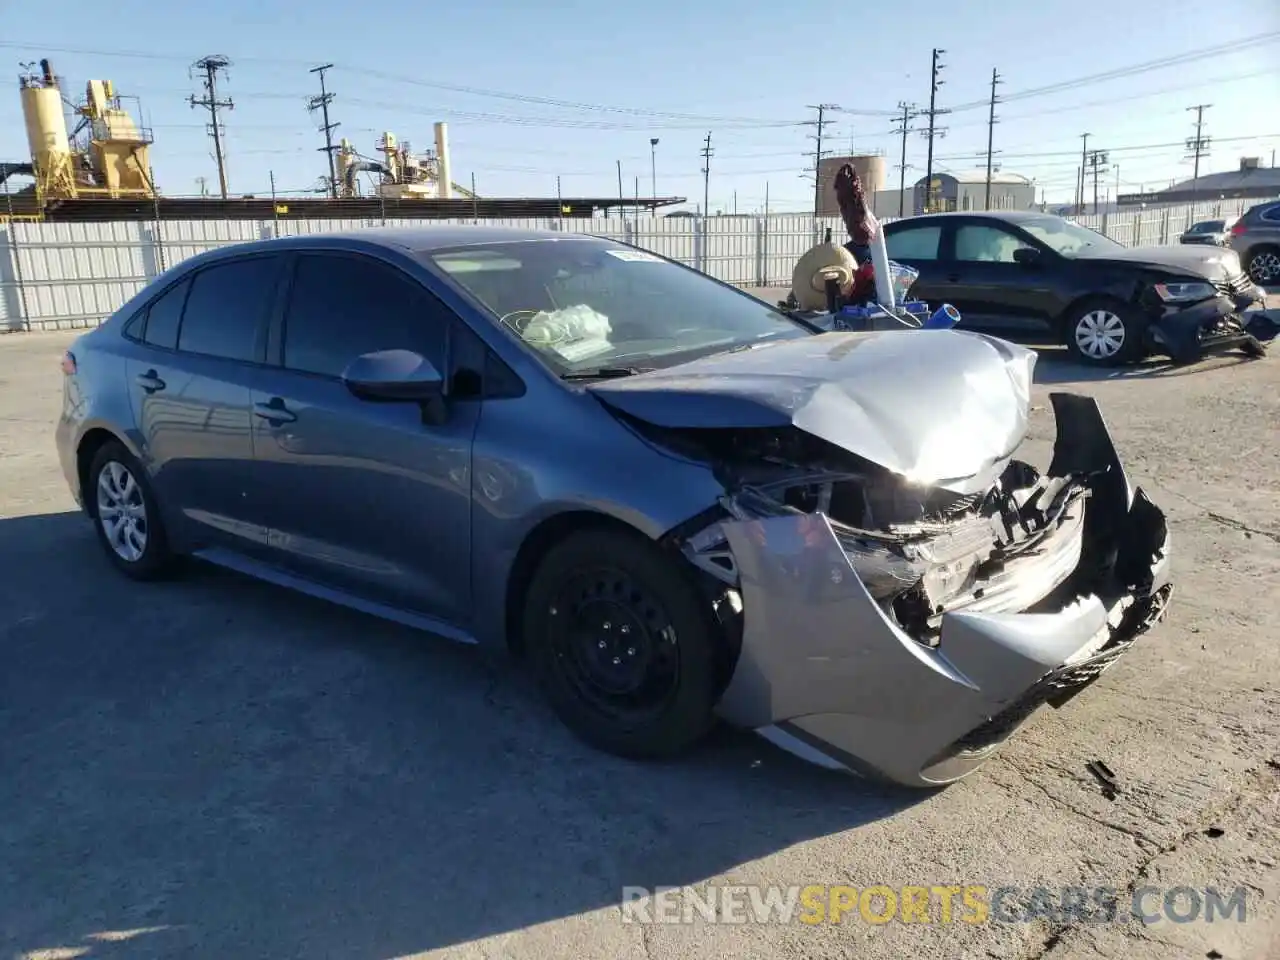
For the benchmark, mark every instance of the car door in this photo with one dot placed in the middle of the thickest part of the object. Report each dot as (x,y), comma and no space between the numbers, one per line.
(989,286)
(190,386)
(372,498)
(919,245)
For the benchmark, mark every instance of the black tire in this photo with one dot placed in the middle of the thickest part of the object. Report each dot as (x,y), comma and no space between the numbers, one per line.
(154,559)
(591,598)
(1102,315)
(1264,266)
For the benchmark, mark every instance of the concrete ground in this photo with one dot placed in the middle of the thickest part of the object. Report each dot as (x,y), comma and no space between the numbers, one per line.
(217,768)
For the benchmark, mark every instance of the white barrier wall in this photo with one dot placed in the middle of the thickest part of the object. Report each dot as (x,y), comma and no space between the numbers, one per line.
(67,275)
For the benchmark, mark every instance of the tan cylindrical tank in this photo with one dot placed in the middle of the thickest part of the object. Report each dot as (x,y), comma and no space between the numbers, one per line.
(46,126)
(442,162)
(872,170)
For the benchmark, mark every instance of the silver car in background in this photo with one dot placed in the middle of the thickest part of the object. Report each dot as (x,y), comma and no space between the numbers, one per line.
(674,501)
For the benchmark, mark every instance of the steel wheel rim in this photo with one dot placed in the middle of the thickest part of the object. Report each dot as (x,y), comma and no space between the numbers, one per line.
(613,645)
(122,512)
(1100,334)
(1264,267)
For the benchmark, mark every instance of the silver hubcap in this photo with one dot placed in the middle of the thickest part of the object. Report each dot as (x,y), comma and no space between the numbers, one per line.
(1265,267)
(1100,334)
(122,512)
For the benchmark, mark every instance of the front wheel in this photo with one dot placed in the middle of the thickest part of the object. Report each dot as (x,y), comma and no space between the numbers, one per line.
(623,644)
(1104,333)
(1264,266)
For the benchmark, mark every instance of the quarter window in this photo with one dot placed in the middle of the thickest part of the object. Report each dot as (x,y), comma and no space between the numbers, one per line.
(916,243)
(227,304)
(161,324)
(342,307)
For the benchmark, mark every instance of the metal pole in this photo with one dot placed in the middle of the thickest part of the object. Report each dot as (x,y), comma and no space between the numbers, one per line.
(706,176)
(902,169)
(621,203)
(275,208)
(817,166)
(991,130)
(559,202)
(653,170)
(1084,150)
(637,197)
(475,200)
(323,102)
(24,312)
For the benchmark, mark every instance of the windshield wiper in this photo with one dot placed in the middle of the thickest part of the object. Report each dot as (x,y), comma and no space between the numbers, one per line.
(604,373)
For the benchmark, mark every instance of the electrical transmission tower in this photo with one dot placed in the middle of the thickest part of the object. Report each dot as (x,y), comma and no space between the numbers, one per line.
(934,130)
(210,101)
(991,130)
(1198,145)
(706,153)
(819,153)
(321,103)
(909,113)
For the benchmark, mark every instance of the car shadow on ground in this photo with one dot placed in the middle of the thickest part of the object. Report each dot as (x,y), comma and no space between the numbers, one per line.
(1055,366)
(213,767)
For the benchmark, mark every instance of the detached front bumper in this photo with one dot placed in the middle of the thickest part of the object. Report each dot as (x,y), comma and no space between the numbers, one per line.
(824,672)
(1216,325)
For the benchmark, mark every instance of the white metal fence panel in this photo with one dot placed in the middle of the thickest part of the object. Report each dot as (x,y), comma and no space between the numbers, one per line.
(65,275)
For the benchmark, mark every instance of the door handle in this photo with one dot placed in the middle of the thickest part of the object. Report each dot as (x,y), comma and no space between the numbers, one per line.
(274,412)
(953,278)
(149,381)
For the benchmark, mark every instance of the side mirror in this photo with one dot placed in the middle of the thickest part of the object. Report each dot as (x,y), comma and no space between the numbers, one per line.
(391,375)
(1027,256)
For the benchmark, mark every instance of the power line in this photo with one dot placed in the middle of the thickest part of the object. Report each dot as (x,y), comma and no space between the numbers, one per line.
(210,101)
(991,127)
(321,103)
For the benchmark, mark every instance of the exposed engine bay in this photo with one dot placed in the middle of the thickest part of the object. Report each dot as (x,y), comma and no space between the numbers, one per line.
(920,552)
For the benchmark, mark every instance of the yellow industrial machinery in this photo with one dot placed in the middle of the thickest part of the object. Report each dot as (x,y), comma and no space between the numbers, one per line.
(403,175)
(107,156)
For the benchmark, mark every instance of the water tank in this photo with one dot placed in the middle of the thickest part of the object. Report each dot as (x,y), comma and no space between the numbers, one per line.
(872,171)
(46,127)
(443,172)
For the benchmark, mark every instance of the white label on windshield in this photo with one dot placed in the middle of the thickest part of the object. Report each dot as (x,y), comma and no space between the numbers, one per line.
(634,256)
(576,350)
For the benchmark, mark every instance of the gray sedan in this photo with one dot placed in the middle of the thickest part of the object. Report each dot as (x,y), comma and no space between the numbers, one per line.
(675,502)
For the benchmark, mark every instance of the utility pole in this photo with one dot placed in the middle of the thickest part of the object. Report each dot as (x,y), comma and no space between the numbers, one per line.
(621,203)
(934,130)
(1198,145)
(322,104)
(991,130)
(1098,164)
(707,153)
(1084,165)
(908,112)
(819,153)
(653,170)
(210,66)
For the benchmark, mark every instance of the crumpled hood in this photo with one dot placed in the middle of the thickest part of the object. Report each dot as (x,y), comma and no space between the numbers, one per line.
(1214,264)
(938,407)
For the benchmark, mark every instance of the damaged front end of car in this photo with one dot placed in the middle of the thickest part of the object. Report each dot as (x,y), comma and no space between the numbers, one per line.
(900,592)
(905,630)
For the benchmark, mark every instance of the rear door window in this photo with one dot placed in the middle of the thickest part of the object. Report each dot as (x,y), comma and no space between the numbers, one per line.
(914,243)
(227,305)
(343,306)
(161,323)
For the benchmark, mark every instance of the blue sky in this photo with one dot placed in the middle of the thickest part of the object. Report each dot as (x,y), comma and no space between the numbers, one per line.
(742,71)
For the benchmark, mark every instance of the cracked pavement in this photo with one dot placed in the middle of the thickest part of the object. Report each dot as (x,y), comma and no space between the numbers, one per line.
(217,768)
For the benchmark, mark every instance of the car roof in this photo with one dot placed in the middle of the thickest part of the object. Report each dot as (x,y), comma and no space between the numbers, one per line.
(1009,216)
(410,240)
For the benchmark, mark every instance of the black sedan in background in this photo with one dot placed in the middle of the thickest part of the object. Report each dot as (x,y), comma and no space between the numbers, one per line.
(1032,273)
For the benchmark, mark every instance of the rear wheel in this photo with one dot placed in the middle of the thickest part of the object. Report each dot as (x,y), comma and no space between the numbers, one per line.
(1104,332)
(623,644)
(125,514)
(1264,266)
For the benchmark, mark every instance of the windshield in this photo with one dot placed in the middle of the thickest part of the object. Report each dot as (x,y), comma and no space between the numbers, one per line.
(1209,226)
(1065,237)
(584,304)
